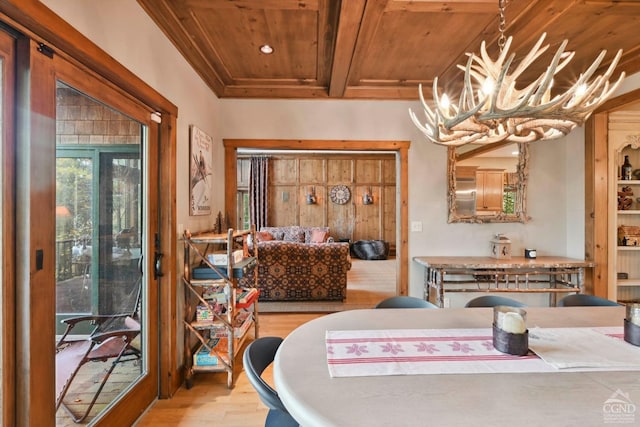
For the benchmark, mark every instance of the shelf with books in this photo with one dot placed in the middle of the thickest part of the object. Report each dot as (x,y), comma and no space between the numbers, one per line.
(219,314)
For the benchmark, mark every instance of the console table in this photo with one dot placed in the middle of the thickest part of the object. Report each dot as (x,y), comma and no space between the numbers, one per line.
(546,274)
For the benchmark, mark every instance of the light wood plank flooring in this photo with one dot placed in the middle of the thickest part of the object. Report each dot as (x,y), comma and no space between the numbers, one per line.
(209,401)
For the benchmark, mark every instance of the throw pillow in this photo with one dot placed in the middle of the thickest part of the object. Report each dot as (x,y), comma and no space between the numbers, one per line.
(319,236)
(294,236)
(263,236)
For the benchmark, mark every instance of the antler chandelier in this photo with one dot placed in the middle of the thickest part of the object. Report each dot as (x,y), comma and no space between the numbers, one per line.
(492,109)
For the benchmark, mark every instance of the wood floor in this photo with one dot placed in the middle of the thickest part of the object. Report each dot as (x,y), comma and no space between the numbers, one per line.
(209,401)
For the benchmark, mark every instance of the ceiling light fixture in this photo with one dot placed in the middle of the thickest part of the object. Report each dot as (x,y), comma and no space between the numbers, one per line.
(492,109)
(266,49)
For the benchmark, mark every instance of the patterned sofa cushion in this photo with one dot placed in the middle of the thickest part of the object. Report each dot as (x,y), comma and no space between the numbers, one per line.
(292,233)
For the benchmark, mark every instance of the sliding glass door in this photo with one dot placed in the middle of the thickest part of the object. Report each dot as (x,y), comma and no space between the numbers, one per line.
(102,238)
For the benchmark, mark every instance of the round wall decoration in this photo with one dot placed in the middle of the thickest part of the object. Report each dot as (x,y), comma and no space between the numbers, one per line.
(340,194)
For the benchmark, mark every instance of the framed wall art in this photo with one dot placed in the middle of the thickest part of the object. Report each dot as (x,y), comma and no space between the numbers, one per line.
(200,147)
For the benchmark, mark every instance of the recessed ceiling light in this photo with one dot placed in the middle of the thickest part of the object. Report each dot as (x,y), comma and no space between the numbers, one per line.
(266,49)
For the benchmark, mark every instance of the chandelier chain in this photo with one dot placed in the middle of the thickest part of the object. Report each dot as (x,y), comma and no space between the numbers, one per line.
(502,40)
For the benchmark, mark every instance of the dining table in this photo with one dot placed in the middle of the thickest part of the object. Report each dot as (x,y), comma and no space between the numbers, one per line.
(437,367)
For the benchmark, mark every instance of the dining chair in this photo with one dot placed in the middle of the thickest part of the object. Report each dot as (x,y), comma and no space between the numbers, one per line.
(493,300)
(403,301)
(577,300)
(258,355)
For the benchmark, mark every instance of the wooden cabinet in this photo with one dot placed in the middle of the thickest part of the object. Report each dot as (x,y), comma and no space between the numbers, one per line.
(218,313)
(489,190)
(624,228)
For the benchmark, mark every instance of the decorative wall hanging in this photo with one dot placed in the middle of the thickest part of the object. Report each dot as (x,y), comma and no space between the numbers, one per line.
(340,194)
(200,145)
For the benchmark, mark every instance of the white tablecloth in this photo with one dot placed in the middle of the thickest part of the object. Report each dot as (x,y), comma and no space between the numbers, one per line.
(567,348)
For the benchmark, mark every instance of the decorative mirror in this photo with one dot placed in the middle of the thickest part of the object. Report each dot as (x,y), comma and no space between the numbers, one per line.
(487,183)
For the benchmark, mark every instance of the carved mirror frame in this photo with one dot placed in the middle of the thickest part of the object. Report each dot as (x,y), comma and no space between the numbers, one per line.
(520,203)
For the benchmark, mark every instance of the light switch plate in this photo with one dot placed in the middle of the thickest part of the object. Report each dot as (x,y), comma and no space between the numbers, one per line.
(416,225)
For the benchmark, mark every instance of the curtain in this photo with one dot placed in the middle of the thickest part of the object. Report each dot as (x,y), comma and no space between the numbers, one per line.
(258,190)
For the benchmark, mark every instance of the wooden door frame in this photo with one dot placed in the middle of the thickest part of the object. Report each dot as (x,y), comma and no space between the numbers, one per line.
(401,148)
(7,298)
(39,24)
(596,148)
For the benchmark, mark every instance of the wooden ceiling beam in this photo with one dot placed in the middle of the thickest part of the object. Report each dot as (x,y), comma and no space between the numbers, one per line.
(347,36)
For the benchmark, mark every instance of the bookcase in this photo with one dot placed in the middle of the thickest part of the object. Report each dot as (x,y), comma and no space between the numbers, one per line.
(625,227)
(218,313)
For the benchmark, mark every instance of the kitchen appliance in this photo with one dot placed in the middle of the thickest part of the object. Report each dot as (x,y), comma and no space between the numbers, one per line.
(466,196)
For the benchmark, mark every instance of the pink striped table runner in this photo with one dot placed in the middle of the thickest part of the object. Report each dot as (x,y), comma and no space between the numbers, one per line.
(426,351)
(421,351)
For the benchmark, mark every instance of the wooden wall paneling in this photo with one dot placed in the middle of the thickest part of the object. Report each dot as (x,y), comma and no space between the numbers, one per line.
(312,215)
(283,209)
(389,171)
(312,177)
(340,219)
(283,171)
(339,171)
(388,203)
(312,171)
(367,217)
(368,171)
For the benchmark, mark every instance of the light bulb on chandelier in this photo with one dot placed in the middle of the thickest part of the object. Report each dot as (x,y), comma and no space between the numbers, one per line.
(496,110)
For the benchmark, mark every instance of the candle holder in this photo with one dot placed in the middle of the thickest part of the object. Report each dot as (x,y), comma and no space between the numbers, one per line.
(510,334)
(632,324)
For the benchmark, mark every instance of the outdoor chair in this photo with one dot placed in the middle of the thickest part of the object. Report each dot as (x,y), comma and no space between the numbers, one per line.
(111,339)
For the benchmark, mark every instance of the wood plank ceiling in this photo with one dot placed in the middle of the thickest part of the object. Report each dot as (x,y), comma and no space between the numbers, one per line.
(381,49)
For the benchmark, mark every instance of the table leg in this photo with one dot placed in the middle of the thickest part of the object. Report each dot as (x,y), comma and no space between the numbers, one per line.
(552,284)
(439,282)
(580,279)
(427,282)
